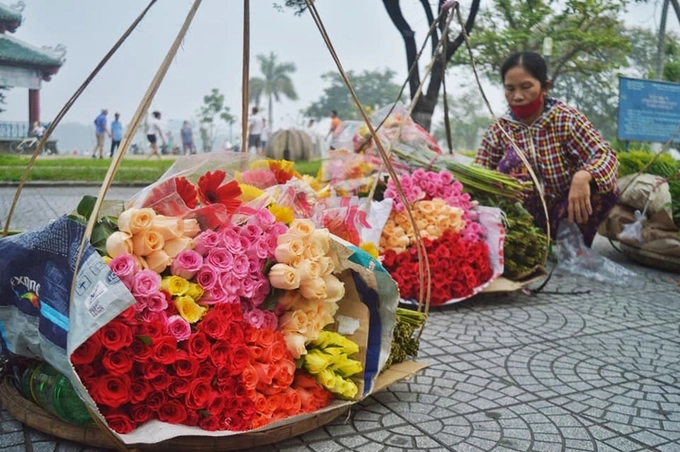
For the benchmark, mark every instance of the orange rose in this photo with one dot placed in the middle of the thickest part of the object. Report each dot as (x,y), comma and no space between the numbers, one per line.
(249,377)
(133,221)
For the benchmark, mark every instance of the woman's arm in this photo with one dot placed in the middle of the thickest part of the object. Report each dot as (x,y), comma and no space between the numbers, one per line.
(598,158)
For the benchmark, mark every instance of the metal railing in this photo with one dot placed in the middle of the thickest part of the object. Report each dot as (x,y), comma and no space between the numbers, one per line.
(13,129)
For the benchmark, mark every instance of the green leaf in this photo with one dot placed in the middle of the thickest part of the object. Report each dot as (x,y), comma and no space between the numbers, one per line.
(145,339)
(272,300)
(86,206)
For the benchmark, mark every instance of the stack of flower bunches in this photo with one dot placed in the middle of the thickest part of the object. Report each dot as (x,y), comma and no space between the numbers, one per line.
(328,359)
(404,342)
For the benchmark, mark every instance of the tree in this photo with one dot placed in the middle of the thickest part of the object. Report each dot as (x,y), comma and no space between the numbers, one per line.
(374,89)
(424,108)
(276,82)
(208,115)
(468,119)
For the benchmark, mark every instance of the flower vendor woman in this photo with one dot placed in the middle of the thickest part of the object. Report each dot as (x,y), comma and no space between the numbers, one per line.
(572,161)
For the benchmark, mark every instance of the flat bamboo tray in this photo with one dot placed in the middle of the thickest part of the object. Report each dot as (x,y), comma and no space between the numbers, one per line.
(650,258)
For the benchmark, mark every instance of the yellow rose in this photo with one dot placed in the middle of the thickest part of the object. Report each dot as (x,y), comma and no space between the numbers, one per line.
(316,360)
(308,269)
(157,261)
(119,243)
(294,322)
(176,285)
(133,221)
(168,227)
(282,276)
(146,242)
(335,289)
(195,291)
(289,247)
(345,387)
(296,344)
(346,367)
(107,259)
(189,309)
(313,289)
(175,246)
(302,227)
(326,378)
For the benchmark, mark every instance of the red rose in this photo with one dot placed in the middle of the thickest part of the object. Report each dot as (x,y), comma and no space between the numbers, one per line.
(229,312)
(140,351)
(227,383)
(161,382)
(389,257)
(85,371)
(206,371)
(118,362)
(154,329)
(235,332)
(87,352)
(141,413)
(139,390)
(156,400)
(216,404)
(213,325)
(220,353)
(112,390)
(199,394)
(172,413)
(210,423)
(165,350)
(239,357)
(198,345)
(192,418)
(115,335)
(128,316)
(119,421)
(178,387)
(152,369)
(185,365)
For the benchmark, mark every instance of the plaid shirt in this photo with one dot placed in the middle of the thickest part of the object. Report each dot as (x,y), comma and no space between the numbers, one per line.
(564,142)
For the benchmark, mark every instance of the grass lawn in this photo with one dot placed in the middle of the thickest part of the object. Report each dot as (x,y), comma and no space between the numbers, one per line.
(84,169)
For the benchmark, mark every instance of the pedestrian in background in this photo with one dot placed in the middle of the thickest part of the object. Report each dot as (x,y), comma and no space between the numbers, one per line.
(100,131)
(154,133)
(116,133)
(264,135)
(187,136)
(255,125)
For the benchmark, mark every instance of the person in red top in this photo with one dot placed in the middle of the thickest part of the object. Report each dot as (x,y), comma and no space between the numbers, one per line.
(575,165)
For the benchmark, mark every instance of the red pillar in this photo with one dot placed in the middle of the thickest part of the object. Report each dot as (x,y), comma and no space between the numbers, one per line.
(33,106)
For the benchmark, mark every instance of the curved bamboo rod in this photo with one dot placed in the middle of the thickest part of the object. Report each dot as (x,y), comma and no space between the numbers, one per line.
(245,77)
(65,110)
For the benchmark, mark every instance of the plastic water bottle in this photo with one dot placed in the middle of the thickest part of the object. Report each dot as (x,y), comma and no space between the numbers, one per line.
(53,392)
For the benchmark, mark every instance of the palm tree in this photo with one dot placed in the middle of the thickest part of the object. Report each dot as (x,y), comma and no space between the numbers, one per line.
(275,83)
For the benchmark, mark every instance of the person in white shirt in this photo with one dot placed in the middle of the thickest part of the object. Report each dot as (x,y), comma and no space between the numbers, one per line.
(255,126)
(264,135)
(38,130)
(154,132)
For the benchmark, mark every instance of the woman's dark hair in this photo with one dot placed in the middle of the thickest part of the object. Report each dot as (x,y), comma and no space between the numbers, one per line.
(531,62)
(156,114)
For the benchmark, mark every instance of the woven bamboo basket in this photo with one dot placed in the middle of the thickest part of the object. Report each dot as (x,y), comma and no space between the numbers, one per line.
(650,258)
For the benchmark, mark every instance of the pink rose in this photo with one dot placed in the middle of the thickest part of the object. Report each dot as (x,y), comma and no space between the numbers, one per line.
(271,321)
(232,241)
(156,302)
(155,316)
(206,240)
(265,219)
(251,232)
(186,264)
(207,276)
(146,283)
(179,328)
(256,318)
(278,229)
(220,259)
(241,266)
(260,248)
(247,288)
(230,283)
(125,266)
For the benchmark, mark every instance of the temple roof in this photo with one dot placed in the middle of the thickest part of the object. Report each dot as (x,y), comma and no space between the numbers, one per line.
(18,53)
(10,19)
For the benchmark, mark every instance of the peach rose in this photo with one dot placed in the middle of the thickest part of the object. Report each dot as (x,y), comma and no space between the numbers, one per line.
(303,228)
(119,243)
(290,299)
(282,276)
(313,289)
(146,242)
(169,227)
(175,246)
(294,322)
(133,221)
(289,246)
(296,344)
(326,266)
(335,289)
(308,269)
(190,227)
(158,261)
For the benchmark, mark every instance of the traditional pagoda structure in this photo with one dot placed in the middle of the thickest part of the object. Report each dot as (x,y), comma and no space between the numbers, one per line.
(23,65)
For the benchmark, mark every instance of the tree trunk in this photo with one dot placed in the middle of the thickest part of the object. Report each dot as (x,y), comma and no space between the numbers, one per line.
(271,116)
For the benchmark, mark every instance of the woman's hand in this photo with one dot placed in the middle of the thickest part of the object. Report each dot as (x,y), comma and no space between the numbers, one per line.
(579,197)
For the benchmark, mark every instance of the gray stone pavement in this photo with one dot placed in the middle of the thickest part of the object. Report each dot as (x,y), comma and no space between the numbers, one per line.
(581,366)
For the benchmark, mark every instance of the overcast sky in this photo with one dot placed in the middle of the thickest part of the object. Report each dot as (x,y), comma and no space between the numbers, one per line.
(211,55)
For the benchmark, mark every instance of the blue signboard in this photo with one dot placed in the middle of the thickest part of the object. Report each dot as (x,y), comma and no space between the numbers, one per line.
(649,110)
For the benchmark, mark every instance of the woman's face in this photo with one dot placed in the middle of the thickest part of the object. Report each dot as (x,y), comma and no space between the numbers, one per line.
(521,87)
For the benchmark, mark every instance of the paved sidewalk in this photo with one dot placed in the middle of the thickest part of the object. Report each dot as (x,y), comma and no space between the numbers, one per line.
(582,366)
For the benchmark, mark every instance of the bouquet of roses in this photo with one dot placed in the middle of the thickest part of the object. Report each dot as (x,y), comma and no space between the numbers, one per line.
(460,259)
